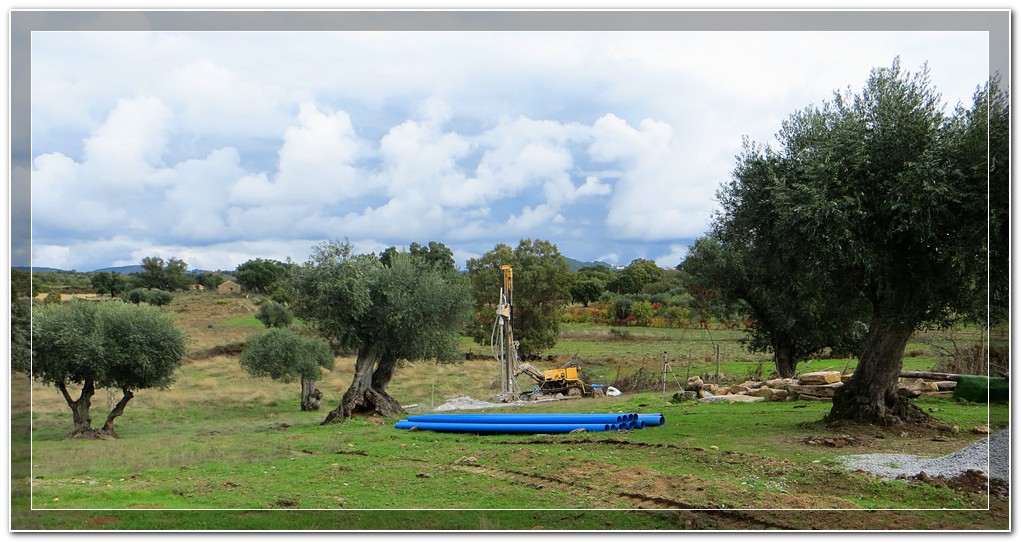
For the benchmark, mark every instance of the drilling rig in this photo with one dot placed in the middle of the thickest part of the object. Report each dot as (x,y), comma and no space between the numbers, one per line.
(504,348)
(566,380)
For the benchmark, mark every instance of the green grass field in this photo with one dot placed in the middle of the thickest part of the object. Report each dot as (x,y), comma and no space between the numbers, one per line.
(220,450)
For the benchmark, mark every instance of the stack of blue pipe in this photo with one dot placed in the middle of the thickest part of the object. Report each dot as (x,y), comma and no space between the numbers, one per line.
(530,423)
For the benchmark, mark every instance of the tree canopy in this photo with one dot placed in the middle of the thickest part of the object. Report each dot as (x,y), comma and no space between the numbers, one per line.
(284,356)
(106,282)
(273,314)
(21,335)
(261,275)
(542,283)
(633,278)
(586,290)
(880,197)
(434,253)
(157,274)
(97,345)
(746,257)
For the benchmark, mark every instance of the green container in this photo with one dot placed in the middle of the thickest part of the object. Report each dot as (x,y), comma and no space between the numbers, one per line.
(979,389)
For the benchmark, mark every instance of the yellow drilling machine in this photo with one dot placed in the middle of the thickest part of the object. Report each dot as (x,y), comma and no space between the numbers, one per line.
(567,380)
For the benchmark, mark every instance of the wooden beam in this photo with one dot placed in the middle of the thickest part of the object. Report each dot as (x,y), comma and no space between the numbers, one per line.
(930,376)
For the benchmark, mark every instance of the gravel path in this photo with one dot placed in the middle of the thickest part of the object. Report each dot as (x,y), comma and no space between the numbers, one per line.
(990,455)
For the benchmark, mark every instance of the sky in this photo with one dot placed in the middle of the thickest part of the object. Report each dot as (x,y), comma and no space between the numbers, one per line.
(220,147)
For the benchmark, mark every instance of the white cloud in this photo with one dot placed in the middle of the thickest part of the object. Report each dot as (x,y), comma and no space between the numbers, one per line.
(195,204)
(523,152)
(671,259)
(593,187)
(124,153)
(654,198)
(315,165)
(213,99)
(420,159)
(530,219)
(240,141)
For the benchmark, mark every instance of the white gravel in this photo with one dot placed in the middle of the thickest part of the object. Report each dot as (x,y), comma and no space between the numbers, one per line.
(990,455)
(467,403)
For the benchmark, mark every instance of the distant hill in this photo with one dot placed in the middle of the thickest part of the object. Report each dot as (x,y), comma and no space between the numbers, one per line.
(38,269)
(124,269)
(575,265)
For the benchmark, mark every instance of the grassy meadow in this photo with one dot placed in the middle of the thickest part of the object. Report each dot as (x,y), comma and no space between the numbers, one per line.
(220,450)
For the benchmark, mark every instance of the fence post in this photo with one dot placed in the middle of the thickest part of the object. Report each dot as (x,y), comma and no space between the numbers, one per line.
(717,365)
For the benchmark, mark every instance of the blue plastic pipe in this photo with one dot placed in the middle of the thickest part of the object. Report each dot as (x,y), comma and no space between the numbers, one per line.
(503,427)
(652,420)
(526,418)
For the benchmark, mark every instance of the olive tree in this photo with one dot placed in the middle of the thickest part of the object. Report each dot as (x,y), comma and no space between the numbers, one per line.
(104,345)
(285,356)
(157,298)
(273,314)
(585,290)
(106,282)
(21,333)
(167,275)
(887,199)
(745,258)
(261,275)
(409,309)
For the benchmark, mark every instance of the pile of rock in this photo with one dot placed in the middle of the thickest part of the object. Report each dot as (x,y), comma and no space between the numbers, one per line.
(815,386)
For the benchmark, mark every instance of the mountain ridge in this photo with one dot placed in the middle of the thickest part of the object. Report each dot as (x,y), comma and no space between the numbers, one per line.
(573,265)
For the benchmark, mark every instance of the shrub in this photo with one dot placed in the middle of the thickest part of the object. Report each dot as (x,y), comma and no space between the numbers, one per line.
(135,296)
(642,312)
(972,360)
(153,297)
(273,314)
(159,298)
(620,335)
(52,298)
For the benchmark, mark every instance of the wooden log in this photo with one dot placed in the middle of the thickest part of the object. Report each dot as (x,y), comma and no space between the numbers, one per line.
(929,375)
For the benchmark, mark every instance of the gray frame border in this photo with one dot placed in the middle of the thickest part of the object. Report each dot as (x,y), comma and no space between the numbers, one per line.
(23,22)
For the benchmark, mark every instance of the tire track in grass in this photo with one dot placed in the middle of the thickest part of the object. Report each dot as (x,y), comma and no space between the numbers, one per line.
(640,502)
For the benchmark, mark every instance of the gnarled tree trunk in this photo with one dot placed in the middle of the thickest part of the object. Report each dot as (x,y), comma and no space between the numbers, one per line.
(117,411)
(783,355)
(364,397)
(311,397)
(80,409)
(870,396)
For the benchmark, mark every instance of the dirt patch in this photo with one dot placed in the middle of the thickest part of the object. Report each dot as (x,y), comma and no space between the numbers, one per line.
(833,442)
(228,350)
(970,481)
(102,521)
